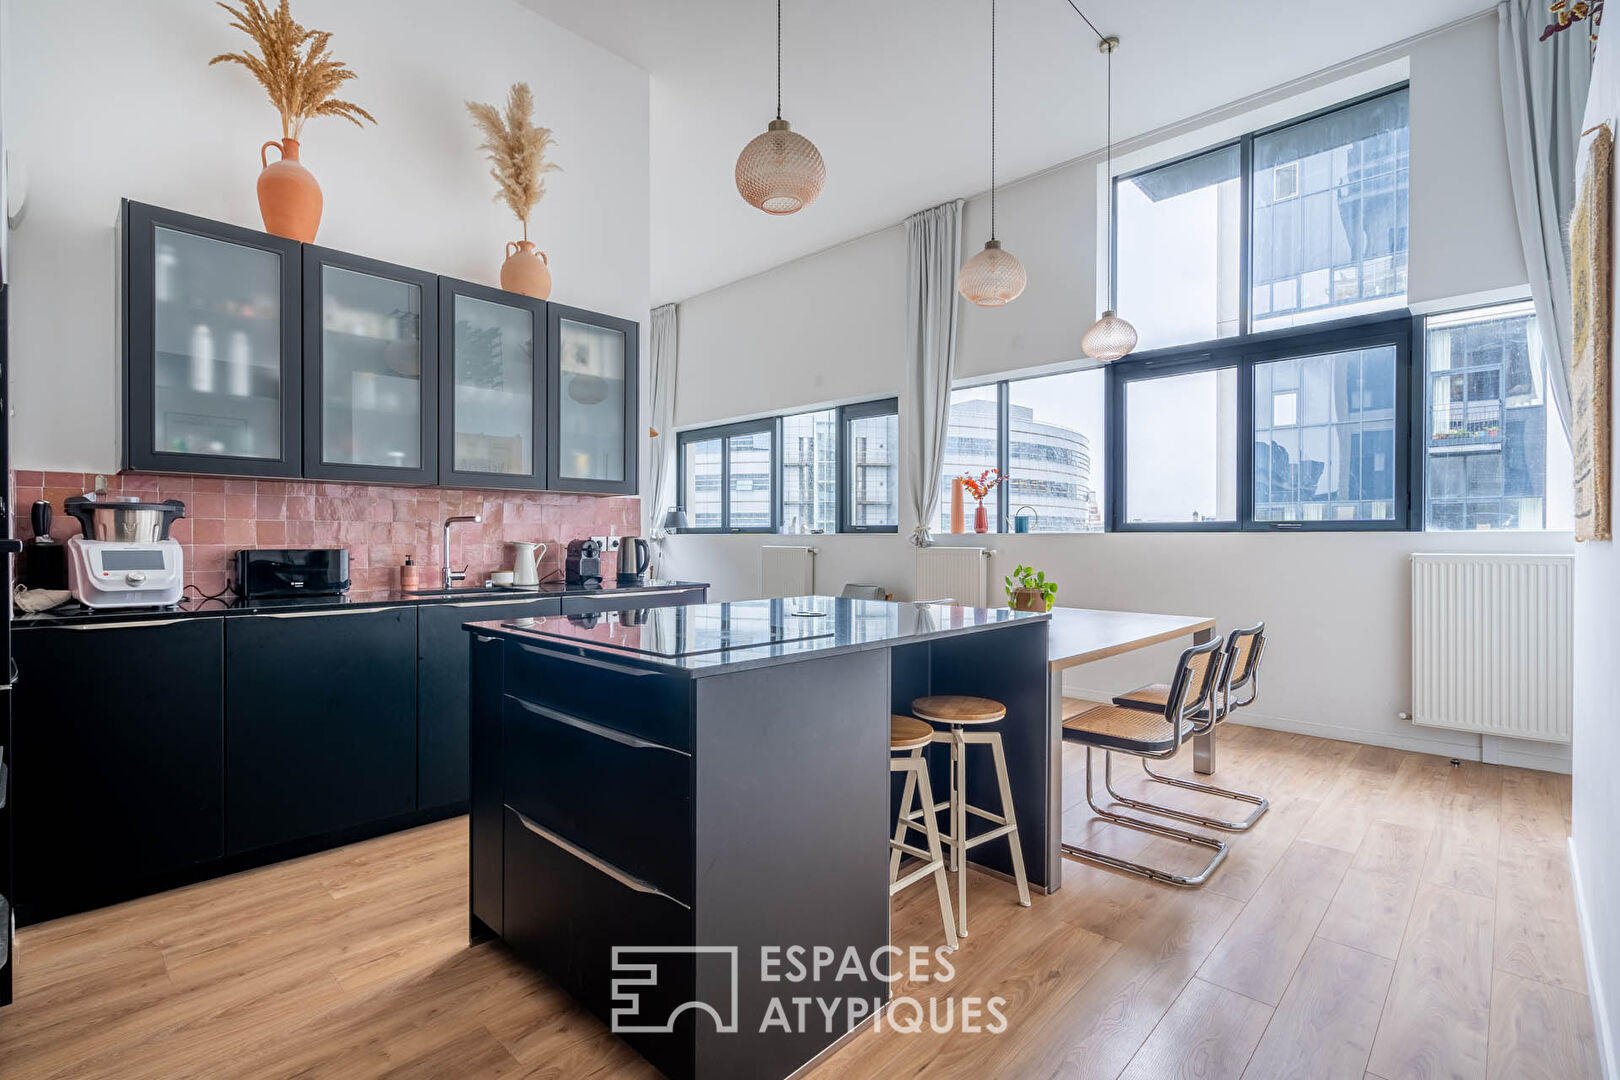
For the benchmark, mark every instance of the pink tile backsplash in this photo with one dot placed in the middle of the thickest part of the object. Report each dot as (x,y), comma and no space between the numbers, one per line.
(379,524)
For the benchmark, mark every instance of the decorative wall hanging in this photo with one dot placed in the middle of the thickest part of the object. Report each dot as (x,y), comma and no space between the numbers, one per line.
(994,276)
(517,156)
(295,70)
(781,171)
(1589,368)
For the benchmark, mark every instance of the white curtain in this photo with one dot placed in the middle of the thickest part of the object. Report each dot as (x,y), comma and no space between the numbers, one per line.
(933,256)
(662,357)
(1544,86)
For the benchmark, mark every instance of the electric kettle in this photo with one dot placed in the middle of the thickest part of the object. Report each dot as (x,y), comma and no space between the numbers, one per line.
(635,556)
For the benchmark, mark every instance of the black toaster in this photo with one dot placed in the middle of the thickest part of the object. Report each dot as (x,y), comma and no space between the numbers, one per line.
(269,573)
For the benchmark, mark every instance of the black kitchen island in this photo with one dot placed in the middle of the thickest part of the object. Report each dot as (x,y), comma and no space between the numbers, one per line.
(668,805)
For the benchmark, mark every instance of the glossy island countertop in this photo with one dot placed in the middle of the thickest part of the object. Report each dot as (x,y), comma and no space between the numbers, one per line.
(708,639)
(74,613)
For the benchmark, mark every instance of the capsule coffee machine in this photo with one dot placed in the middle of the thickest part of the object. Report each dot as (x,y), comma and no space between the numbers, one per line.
(583,567)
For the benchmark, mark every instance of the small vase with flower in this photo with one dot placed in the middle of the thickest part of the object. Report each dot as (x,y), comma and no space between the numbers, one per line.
(979,487)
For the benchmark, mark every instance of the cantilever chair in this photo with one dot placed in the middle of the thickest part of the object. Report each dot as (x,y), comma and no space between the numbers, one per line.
(1240,674)
(1187,711)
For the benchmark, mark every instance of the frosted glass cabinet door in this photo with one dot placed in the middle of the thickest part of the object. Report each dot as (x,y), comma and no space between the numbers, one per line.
(492,388)
(594,411)
(372,392)
(212,347)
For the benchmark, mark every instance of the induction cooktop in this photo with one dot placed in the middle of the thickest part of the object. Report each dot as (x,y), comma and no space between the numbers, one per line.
(673,633)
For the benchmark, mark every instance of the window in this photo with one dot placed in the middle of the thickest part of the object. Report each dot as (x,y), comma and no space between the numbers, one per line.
(727,477)
(1049,441)
(1493,456)
(828,470)
(1180,447)
(1326,233)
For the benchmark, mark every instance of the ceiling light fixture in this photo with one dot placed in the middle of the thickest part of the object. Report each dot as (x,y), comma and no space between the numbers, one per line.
(994,276)
(1110,337)
(781,171)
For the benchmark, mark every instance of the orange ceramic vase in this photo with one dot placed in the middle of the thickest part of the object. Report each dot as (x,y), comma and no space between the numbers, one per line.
(289,197)
(526,270)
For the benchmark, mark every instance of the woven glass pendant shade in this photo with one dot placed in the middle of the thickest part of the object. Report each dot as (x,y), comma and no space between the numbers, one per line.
(992,277)
(1109,338)
(781,171)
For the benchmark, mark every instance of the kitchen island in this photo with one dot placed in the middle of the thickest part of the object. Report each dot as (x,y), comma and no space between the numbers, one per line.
(667,803)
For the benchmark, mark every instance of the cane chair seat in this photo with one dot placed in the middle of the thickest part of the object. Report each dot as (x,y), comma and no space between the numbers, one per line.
(1073,707)
(908,733)
(955,709)
(1116,727)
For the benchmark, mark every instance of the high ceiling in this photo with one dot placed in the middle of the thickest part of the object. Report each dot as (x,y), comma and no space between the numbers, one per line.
(896,95)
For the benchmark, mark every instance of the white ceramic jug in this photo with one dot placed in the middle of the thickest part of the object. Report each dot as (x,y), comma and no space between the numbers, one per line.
(526,562)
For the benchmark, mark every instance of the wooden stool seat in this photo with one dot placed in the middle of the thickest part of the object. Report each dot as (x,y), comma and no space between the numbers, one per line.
(907,732)
(958,709)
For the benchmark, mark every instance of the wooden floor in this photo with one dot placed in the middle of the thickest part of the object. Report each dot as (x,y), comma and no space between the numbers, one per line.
(1394,916)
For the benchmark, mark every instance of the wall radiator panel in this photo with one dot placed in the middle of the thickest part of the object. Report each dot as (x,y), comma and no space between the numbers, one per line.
(787,571)
(954,573)
(1492,644)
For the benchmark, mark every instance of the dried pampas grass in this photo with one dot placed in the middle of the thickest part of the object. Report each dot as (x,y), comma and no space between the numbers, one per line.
(517,151)
(292,66)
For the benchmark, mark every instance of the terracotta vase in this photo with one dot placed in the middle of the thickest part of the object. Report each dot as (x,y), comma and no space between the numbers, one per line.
(981,519)
(289,197)
(1025,599)
(956,505)
(526,270)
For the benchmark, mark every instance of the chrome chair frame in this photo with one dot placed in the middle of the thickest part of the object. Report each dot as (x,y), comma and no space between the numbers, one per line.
(1250,680)
(1182,715)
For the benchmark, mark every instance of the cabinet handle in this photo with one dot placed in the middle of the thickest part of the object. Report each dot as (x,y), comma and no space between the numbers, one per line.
(4,787)
(482,640)
(494,603)
(629,881)
(597,729)
(316,614)
(123,625)
(590,662)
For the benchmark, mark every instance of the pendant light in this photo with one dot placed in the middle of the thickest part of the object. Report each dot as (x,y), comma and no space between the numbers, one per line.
(1110,337)
(994,276)
(781,171)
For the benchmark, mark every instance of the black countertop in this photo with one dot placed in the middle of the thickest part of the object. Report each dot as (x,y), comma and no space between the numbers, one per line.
(711,639)
(73,613)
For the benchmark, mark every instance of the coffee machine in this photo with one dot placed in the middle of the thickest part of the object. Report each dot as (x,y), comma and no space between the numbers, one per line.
(583,565)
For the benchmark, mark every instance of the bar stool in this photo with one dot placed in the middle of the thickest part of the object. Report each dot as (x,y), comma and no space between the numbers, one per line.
(909,734)
(1239,672)
(1185,713)
(957,713)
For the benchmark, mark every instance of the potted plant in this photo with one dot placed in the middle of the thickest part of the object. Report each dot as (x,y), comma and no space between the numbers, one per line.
(517,155)
(980,486)
(300,76)
(1028,590)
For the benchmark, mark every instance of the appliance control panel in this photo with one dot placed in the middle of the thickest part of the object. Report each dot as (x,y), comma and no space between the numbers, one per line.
(108,574)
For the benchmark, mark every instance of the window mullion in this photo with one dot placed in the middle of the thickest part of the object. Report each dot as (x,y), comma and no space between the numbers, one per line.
(1003,452)
(725,484)
(1245,233)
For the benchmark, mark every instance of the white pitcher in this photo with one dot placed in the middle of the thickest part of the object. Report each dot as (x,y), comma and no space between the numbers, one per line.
(526,562)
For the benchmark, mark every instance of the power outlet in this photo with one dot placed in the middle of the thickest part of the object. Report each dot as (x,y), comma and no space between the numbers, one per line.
(609,543)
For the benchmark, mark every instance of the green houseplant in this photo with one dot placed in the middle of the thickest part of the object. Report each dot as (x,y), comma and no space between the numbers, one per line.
(1028,589)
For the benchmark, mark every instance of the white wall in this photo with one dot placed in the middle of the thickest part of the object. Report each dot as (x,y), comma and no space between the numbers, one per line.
(1593,847)
(831,327)
(108,98)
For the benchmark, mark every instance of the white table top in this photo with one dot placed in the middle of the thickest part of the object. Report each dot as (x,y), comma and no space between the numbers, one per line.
(1081,635)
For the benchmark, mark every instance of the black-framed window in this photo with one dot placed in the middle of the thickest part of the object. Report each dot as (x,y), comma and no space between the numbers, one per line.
(726,477)
(869,466)
(1285,430)
(1291,226)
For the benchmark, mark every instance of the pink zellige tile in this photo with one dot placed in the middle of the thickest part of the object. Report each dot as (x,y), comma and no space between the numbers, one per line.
(202,505)
(207,531)
(272,534)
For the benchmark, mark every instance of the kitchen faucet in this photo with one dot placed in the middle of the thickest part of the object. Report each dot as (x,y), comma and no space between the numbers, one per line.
(452,576)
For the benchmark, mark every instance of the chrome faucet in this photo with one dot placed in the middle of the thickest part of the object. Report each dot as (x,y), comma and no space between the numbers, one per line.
(452,576)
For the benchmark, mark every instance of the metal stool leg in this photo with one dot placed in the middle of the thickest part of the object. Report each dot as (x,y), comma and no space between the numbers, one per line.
(1151,828)
(1259,802)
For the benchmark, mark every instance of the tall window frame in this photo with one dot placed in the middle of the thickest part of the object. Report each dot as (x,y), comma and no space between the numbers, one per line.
(725,433)
(847,415)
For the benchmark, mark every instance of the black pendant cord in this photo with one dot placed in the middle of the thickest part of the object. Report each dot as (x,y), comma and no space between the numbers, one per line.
(779,59)
(992,119)
(1108,172)
(1088,22)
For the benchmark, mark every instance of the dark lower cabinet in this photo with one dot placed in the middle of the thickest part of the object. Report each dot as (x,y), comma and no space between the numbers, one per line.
(116,789)
(320,723)
(441,691)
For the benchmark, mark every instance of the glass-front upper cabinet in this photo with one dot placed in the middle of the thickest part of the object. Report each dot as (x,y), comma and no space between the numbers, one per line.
(594,407)
(492,387)
(371,374)
(212,346)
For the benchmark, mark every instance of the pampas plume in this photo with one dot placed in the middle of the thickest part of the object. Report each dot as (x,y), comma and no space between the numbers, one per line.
(293,66)
(517,151)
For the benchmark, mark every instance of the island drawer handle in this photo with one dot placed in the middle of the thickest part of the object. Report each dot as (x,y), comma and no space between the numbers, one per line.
(621,669)
(629,881)
(596,729)
(317,614)
(123,625)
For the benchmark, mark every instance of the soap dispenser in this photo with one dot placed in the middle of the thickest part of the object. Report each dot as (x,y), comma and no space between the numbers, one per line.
(408,580)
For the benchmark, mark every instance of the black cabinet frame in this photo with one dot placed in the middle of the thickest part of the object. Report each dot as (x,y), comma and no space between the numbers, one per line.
(555,481)
(138,223)
(449,475)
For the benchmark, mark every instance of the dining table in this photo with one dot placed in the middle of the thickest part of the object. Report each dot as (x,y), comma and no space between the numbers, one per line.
(1079,636)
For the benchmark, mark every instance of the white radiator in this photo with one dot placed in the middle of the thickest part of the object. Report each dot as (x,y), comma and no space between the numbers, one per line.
(958,574)
(1491,644)
(787,571)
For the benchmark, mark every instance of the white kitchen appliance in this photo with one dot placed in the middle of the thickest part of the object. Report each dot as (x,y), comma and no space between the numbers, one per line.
(125,557)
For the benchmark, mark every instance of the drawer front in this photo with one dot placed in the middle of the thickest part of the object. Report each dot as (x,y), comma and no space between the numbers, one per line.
(615,601)
(565,914)
(620,797)
(631,699)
